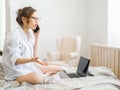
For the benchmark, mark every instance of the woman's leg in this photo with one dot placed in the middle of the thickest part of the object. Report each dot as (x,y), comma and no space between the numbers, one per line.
(32,78)
(49,68)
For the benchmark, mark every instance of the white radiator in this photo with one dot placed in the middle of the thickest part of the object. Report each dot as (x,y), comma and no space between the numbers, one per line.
(103,55)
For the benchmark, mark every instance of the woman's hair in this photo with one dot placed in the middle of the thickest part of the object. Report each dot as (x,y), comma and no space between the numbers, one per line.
(24,12)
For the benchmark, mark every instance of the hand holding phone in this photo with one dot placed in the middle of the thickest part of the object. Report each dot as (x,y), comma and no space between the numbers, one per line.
(37,28)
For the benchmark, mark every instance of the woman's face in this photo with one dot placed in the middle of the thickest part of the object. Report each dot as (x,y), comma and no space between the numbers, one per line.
(33,21)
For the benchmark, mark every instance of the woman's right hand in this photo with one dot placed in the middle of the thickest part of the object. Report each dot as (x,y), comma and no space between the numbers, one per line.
(36,59)
(37,34)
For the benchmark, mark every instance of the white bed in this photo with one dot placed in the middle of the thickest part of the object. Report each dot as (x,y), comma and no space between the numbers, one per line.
(104,79)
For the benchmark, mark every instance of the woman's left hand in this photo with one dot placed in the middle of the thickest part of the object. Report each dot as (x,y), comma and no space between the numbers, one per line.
(36,59)
(50,73)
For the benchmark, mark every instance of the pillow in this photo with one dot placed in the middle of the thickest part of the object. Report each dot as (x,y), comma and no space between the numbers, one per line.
(1,70)
(2,74)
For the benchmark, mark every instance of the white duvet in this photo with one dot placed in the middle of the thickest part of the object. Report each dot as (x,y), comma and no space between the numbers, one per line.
(104,79)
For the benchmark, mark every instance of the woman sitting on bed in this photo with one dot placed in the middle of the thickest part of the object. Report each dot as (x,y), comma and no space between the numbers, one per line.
(20,61)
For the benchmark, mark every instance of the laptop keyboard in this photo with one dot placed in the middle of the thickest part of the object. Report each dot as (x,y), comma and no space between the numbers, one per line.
(63,75)
(73,75)
(70,75)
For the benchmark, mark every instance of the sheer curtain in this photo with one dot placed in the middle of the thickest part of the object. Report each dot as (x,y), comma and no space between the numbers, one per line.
(2,23)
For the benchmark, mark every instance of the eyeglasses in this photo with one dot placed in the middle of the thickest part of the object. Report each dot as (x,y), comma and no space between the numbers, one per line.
(36,18)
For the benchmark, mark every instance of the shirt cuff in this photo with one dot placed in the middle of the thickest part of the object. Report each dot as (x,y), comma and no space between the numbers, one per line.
(14,58)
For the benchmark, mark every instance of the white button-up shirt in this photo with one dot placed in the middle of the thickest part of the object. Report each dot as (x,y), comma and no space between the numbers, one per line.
(18,44)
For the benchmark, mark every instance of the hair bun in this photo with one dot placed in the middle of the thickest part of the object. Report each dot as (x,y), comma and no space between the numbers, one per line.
(19,11)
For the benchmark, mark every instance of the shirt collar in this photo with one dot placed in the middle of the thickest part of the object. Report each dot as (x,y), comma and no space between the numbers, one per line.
(24,35)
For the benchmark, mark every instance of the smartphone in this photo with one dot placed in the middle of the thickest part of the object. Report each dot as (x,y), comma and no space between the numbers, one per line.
(37,28)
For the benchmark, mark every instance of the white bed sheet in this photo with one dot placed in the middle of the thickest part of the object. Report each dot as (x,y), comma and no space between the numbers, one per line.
(87,83)
(104,79)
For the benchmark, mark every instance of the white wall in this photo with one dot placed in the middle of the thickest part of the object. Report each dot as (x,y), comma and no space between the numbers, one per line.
(97,22)
(87,18)
(59,18)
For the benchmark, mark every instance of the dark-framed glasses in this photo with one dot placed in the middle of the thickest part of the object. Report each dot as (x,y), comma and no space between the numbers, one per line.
(36,18)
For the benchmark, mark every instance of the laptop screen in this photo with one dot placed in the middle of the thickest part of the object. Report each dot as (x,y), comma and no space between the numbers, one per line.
(83,66)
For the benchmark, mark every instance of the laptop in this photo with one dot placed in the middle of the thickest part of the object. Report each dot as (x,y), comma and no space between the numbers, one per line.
(82,69)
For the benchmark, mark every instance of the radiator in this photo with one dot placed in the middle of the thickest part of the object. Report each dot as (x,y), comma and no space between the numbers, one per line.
(108,56)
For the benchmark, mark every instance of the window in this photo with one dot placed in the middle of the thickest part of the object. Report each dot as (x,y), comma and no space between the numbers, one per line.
(114,22)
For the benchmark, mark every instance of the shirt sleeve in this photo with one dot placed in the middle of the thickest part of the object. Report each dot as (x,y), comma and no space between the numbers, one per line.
(13,50)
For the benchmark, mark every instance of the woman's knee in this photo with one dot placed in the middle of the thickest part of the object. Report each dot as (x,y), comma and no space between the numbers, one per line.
(32,78)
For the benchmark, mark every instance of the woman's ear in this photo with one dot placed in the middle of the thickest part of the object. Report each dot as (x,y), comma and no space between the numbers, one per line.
(24,20)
